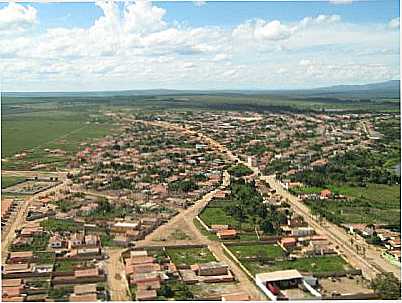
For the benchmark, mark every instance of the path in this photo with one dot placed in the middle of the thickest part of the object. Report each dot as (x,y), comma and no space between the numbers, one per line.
(116,278)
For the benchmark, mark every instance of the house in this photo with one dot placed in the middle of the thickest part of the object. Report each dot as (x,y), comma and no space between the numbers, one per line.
(288,243)
(85,273)
(211,269)
(236,297)
(56,241)
(227,234)
(83,298)
(20,256)
(145,295)
(146,268)
(218,227)
(84,289)
(19,268)
(302,231)
(91,240)
(149,285)
(144,277)
(325,194)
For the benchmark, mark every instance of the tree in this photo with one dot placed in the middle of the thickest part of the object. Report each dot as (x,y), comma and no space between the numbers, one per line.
(387,286)
(267,227)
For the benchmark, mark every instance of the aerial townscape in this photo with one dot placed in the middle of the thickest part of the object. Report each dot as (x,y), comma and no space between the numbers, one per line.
(199,195)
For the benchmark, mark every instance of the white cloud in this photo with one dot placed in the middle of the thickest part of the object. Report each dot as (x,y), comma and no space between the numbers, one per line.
(135,47)
(199,3)
(16,17)
(341,1)
(394,23)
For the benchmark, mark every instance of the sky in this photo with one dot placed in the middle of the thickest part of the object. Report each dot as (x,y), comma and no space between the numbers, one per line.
(106,45)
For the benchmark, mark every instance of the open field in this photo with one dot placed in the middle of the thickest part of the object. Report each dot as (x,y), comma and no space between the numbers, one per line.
(33,132)
(375,203)
(255,250)
(313,264)
(7,181)
(190,256)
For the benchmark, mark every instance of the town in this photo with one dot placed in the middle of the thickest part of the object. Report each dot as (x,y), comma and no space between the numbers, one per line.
(209,205)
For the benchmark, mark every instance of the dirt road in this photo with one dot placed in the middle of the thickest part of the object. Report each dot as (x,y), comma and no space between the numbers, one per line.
(116,278)
(19,220)
(371,264)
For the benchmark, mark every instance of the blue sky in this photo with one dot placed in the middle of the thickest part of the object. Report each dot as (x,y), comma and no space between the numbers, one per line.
(212,45)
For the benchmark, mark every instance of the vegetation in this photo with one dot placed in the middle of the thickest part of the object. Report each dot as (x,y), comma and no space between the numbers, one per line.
(257,250)
(240,170)
(243,209)
(39,243)
(60,225)
(320,264)
(387,286)
(174,290)
(7,181)
(189,256)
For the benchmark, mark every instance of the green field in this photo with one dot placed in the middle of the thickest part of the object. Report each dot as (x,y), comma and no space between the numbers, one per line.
(33,132)
(7,181)
(255,250)
(375,203)
(217,215)
(189,256)
(313,264)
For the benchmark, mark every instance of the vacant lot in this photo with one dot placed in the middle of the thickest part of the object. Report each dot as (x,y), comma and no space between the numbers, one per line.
(189,256)
(376,203)
(313,264)
(256,250)
(7,181)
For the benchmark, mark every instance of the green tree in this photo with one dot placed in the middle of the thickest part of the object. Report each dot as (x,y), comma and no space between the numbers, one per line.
(387,286)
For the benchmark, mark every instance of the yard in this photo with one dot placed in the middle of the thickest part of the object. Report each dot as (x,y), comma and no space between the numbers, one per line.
(7,181)
(189,256)
(255,250)
(313,264)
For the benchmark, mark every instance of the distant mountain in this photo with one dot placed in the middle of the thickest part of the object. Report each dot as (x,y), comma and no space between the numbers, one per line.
(388,89)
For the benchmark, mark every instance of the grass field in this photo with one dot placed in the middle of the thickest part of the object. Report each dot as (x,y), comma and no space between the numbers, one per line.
(376,203)
(254,250)
(313,264)
(216,215)
(33,132)
(7,181)
(189,256)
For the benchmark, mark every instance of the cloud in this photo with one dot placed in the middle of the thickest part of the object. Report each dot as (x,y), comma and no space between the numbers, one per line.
(277,31)
(16,17)
(134,46)
(199,3)
(341,1)
(394,23)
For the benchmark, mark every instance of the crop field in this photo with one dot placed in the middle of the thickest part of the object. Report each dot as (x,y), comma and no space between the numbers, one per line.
(189,256)
(313,264)
(255,250)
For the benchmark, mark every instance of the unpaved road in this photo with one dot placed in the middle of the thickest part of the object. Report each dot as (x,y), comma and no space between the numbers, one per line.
(371,264)
(116,278)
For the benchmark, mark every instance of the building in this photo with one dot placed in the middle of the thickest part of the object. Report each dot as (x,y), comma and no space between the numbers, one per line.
(273,284)
(227,234)
(212,269)
(236,297)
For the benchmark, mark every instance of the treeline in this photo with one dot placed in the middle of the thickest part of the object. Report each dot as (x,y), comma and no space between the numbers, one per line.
(355,168)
